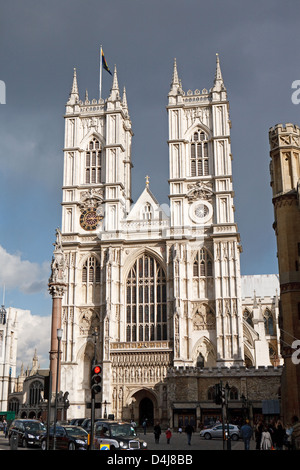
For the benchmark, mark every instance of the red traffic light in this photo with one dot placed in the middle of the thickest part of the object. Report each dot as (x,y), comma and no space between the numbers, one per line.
(96,379)
(97,370)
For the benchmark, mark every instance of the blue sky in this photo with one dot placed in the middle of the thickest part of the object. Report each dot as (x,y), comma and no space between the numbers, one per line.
(41,43)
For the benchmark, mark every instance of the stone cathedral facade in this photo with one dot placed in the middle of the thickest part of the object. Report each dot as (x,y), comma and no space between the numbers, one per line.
(148,290)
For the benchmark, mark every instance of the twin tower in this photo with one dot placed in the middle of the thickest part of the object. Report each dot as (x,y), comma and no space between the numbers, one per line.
(145,289)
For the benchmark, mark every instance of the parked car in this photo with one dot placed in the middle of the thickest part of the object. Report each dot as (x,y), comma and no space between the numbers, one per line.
(68,437)
(86,423)
(28,431)
(77,421)
(217,431)
(113,435)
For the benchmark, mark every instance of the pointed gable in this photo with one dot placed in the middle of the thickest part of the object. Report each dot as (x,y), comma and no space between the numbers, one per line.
(147,208)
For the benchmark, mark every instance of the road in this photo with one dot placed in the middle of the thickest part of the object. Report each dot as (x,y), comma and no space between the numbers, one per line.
(178,443)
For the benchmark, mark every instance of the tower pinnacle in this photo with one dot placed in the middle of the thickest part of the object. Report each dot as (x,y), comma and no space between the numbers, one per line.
(175,84)
(74,95)
(115,92)
(218,82)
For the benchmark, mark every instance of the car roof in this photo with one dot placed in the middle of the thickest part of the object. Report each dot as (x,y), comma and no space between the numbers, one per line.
(28,419)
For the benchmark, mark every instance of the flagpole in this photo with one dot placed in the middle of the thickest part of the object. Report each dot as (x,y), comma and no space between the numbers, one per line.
(100,81)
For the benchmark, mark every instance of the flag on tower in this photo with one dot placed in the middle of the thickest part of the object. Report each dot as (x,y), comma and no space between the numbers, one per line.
(104,63)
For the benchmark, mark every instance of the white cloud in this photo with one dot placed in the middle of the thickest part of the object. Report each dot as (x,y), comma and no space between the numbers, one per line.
(23,275)
(34,333)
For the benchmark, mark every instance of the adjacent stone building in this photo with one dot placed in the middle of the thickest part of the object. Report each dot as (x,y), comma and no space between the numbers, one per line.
(285,183)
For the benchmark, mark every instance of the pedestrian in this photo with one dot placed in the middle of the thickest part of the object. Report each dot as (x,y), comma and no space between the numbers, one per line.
(168,435)
(180,429)
(5,428)
(189,431)
(295,437)
(258,433)
(246,433)
(157,433)
(279,436)
(144,426)
(266,440)
(288,439)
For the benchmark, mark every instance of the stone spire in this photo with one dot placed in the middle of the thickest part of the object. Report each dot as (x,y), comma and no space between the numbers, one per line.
(74,95)
(218,82)
(175,84)
(175,79)
(114,92)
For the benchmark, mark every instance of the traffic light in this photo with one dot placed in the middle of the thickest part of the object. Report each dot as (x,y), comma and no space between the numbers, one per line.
(223,399)
(218,391)
(96,379)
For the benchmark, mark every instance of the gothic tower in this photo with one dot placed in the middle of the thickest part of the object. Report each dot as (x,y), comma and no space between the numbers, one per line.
(207,274)
(285,177)
(96,197)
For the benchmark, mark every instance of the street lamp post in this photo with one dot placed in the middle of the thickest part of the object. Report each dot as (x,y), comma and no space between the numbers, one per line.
(59,337)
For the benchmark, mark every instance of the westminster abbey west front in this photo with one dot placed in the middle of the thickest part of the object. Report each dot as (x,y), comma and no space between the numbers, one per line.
(156,296)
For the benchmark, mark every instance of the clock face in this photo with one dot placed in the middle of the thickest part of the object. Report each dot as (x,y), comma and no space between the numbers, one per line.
(89,219)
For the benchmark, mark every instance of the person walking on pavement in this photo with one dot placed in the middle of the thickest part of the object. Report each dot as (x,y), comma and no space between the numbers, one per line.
(189,431)
(279,436)
(266,440)
(246,434)
(144,426)
(168,435)
(157,433)
(258,433)
(5,428)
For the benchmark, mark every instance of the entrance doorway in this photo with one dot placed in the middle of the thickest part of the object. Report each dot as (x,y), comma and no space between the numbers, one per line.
(146,411)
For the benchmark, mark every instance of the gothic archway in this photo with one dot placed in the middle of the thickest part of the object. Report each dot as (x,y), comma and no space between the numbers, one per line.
(146,411)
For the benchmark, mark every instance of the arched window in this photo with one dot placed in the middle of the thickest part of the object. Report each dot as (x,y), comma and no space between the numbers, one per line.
(199,154)
(233,393)
(248,316)
(269,323)
(211,394)
(202,266)
(35,390)
(200,361)
(2,315)
(146,301)
(14,405)
(91,271)
(147,212)
(93,162)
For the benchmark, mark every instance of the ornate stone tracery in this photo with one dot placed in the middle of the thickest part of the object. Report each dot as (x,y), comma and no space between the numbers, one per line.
(204,318)
(89,320)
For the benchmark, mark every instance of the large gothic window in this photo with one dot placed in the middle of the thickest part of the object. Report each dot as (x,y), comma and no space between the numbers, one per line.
(199,154)
(146,302)
(35,392)
(93,162)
